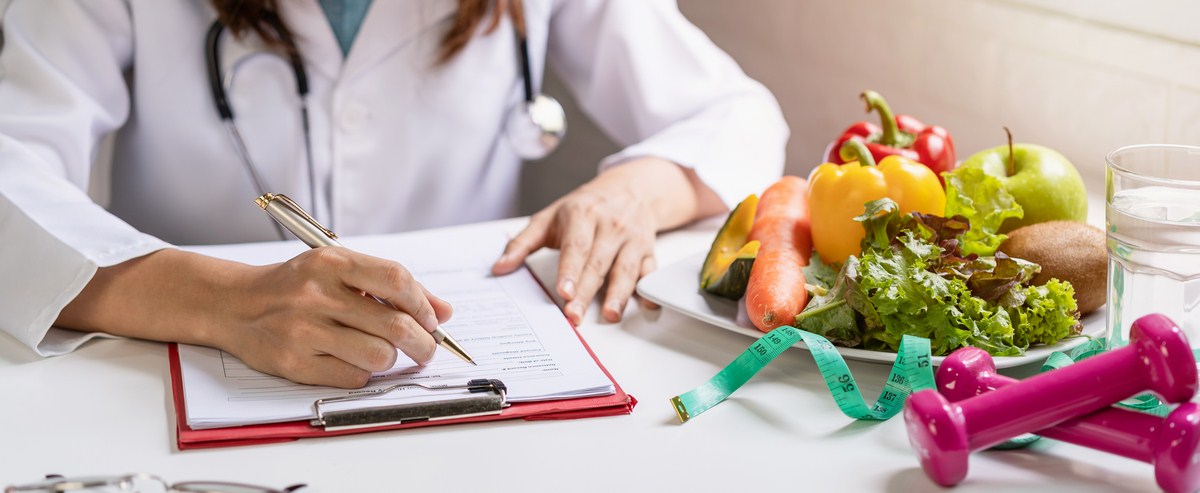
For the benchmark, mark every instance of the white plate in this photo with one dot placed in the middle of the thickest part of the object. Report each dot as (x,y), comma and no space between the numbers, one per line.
(678,287)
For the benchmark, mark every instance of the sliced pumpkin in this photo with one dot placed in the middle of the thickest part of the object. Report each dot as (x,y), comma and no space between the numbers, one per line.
(732,282)
(730,249)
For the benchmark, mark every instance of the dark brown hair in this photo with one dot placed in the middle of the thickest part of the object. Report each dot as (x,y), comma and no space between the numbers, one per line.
(256,16)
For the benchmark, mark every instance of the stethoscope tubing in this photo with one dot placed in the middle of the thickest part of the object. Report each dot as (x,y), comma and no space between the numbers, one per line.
(215,79)
(217,85)
(526,75)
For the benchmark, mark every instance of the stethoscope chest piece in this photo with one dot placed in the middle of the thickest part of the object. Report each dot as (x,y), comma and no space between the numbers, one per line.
(536,127)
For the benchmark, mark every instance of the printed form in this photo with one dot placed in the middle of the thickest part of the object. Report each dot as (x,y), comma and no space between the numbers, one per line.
(509,324)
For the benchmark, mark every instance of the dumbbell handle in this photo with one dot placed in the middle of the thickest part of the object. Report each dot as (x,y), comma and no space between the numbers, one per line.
(1114,430)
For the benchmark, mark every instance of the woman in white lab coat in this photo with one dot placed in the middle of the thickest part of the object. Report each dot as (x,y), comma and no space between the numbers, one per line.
(407,132)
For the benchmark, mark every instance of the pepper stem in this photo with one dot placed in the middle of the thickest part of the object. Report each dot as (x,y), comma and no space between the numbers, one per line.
(892,136)
(1011,167)
(856,150)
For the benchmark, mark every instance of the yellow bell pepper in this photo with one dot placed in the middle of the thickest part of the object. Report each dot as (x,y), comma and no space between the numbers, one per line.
(837,194)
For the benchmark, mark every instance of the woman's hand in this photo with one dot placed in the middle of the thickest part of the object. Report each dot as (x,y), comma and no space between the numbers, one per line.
(312,323)
(604,232)
(307,319)
(606,228)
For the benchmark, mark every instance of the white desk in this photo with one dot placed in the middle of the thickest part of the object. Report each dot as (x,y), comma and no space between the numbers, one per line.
(106,409)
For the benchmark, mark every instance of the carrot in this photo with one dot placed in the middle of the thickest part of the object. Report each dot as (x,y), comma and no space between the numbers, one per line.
(775,293)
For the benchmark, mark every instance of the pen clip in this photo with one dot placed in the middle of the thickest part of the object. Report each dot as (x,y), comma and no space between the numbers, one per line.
(291,204)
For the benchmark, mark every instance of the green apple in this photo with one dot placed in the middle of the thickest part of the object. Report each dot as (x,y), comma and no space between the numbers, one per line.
(1042,181)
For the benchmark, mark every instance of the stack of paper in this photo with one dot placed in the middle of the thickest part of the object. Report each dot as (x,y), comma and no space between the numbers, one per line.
(509,325)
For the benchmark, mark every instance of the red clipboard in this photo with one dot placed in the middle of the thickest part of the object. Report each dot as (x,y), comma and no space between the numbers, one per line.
(618,403)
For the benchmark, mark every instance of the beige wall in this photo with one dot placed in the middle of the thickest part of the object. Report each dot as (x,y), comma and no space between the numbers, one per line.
(1081,76)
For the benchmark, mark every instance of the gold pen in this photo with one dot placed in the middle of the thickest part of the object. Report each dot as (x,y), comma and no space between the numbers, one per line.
(288,213)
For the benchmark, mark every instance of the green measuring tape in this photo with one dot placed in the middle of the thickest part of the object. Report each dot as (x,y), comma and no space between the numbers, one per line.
(911,372)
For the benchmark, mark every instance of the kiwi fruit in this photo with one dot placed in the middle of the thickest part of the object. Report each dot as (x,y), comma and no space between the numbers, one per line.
(1068,251)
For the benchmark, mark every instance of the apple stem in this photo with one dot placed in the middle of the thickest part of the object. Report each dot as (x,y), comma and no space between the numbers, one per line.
(856,150)
(891,136)
(1011,169)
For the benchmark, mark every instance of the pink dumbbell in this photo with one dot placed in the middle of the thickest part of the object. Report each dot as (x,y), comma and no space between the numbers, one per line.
(1171,444)
(1158,358)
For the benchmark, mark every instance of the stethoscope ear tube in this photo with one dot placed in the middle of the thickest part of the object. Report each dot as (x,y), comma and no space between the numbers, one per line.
(293,55)
(213,59)
(216,82)
(526,76)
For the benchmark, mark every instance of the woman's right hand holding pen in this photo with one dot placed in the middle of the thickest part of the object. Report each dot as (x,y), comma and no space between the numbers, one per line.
(319,327)
(306,319)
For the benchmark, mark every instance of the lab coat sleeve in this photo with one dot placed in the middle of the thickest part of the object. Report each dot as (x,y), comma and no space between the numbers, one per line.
(61,90)
(659,87)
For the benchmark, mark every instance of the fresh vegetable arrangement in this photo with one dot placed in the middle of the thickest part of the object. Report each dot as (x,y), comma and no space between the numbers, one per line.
(900,249)
(913,278)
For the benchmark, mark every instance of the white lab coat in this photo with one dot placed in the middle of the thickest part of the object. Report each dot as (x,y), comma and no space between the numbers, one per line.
(399,143)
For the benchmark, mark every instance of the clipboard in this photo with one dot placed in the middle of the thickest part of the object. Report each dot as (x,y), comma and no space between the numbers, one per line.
(619,403)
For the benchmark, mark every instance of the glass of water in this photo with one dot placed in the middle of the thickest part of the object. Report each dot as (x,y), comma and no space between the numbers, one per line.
(1153,227)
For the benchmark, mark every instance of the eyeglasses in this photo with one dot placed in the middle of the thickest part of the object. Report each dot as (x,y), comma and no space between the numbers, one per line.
(140,483)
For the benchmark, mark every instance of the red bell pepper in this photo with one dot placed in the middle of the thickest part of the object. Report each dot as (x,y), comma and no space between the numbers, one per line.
(901,135)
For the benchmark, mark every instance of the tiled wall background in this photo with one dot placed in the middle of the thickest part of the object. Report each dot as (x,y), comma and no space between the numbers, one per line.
(1081,76)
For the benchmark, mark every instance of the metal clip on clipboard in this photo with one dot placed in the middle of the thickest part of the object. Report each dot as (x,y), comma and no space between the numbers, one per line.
(487,396)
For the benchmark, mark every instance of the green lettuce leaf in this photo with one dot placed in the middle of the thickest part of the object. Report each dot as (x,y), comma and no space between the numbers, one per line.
(832,314)
(999,283)
(883,223)
(1048,314)
(910,299)
(818,273)
(982,199)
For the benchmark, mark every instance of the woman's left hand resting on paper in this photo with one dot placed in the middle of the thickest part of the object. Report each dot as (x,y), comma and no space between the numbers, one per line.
(605,230)
(305,319)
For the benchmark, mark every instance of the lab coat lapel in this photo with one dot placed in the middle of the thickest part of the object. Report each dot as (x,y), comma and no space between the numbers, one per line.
(391,24)
(314,37)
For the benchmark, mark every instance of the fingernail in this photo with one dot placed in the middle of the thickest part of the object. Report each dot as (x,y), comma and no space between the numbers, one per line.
(574,312)
(614,311)
(568,288)
(504,258)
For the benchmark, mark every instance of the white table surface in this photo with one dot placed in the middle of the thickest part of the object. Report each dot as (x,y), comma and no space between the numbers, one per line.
(106,409)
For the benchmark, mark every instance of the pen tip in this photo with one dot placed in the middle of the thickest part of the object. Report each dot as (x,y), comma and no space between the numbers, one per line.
(474,363)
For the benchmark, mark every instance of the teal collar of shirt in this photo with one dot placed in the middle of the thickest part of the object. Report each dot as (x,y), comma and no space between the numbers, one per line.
(345,17)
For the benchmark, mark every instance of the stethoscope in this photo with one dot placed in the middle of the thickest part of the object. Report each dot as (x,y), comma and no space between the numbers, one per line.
(534,128)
